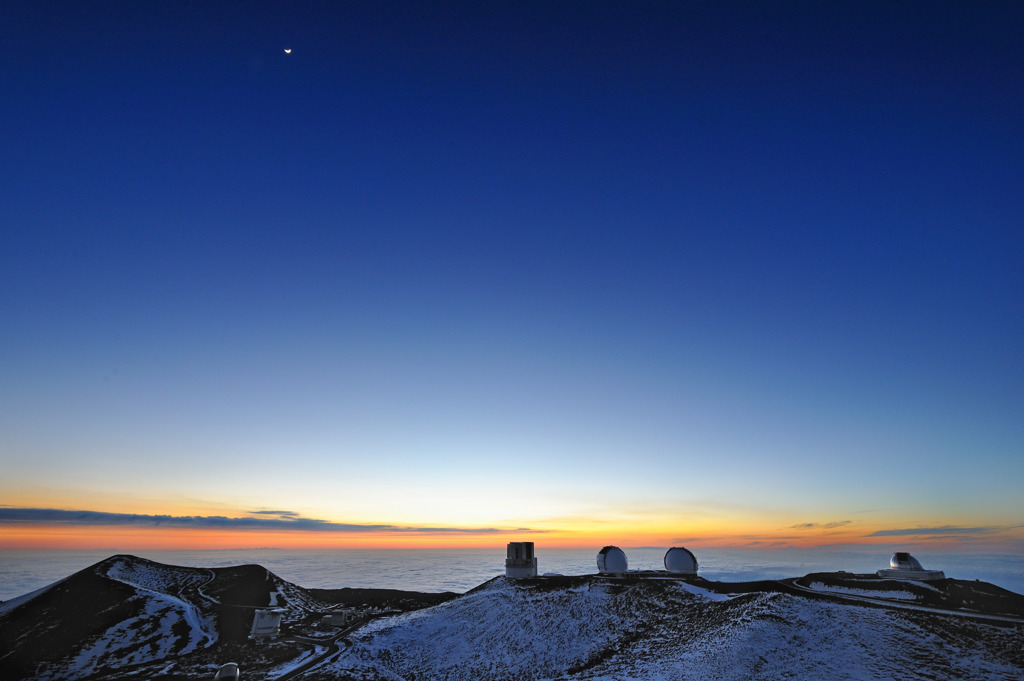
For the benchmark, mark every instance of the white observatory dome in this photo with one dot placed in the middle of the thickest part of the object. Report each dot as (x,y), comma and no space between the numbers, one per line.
(905,566)
(611,559)
(680,561)
(904,561)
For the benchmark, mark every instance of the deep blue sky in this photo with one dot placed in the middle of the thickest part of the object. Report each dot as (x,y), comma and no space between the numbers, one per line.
(454,233)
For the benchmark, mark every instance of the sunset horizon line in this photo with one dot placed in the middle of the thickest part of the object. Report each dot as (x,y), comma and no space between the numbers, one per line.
(65,529)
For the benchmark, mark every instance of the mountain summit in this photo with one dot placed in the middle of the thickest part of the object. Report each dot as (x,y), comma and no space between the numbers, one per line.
(130,618)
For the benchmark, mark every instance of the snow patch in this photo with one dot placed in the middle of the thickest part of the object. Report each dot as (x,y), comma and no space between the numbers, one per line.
(703,593)
(870,593)
(285,667)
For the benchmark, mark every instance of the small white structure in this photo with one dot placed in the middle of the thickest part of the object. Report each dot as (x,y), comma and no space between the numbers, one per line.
(520,561)
(339,617)
(611,560)
(267,623)
(904,566)
(680,561)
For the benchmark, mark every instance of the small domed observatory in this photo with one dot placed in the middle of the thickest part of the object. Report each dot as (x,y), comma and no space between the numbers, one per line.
(904,561)
(902,565)
(680,561)
(520,561)
(611,560)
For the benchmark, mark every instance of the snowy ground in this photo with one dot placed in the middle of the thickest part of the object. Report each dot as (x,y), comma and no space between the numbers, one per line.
(159,622)
(870,593)
(165,624)
(663,630)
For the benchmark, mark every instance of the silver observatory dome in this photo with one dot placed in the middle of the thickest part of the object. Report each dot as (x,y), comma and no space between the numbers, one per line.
(904,561)
(680,561)
(611,559)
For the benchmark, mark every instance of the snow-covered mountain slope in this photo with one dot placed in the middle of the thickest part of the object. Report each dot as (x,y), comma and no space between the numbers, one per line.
(122,611)
(589,628)
(125,613)
(126,618)
(130,618)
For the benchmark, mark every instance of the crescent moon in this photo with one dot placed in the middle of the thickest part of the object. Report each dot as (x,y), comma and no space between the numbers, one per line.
(287,50)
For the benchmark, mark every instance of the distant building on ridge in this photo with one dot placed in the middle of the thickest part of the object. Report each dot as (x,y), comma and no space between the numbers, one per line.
(520,561)
(902,565)
(339,617)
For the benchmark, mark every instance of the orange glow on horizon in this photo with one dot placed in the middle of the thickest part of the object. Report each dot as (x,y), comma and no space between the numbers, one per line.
(172,538)
(135,538)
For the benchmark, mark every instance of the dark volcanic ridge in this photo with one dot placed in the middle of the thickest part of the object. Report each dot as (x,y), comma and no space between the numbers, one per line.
(127,617)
